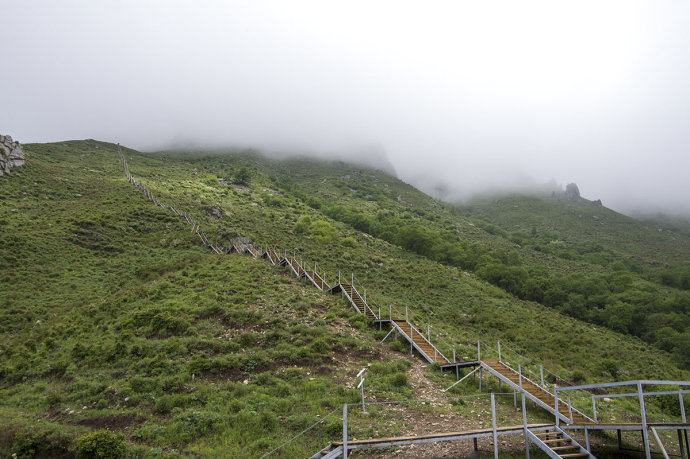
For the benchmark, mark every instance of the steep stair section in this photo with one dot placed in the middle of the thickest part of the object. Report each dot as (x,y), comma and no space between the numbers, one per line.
(357,301)
(294,266)
(317,280)
(558,444)
(428,350)
(534,392)
(272,257)
(253,252)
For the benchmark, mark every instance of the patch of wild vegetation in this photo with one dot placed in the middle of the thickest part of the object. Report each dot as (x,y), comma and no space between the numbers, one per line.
(121,334)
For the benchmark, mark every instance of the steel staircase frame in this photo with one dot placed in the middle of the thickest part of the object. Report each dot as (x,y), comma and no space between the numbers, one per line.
(551,409)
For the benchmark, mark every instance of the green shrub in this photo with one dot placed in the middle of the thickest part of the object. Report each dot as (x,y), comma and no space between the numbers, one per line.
(348,242)
(303,224)
(398,380)
(101,444)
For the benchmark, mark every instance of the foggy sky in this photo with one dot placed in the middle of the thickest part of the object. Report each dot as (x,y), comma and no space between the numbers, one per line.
(468,95)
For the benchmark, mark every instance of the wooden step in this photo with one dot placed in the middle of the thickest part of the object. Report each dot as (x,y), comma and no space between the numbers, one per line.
(556,440)
(574,455)
(547,434)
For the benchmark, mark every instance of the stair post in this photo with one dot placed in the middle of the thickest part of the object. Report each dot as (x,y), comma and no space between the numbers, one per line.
(499,351)
(643,411)
(541,373)
(555,396)
(411,340)
(454,354)
(524,425)
(428,332)
(345,431)
(479,351)
(594,408)
(570,409)
(390,312)
(406,314)
(493,424)
(520,375)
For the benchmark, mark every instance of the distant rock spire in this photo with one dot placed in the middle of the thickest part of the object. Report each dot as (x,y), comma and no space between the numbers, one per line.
(572,192)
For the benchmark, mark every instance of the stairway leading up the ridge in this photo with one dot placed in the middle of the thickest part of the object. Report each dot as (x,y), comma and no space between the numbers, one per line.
(535,392)
(317,280)
(407,330)
(558,444)
(420,342)
(357,301)
(294,266)
(272,256)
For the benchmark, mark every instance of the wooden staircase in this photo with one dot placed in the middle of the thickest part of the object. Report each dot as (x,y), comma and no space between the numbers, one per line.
(535,392)
(357,301)
(419,342)
(317,280)
(558,444)
(272,257)
(294,266)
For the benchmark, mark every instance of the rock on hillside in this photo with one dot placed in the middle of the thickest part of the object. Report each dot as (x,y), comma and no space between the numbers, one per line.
(572,192)
(11,154)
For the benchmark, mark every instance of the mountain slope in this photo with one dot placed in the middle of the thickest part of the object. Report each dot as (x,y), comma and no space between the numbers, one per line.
(110,303)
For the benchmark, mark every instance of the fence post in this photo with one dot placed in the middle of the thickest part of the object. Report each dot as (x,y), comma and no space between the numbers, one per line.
(345,431)
(493,424)
(524,426)
(643,412)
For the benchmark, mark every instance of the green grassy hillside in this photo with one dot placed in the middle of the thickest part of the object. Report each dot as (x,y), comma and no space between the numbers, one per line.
(115,316)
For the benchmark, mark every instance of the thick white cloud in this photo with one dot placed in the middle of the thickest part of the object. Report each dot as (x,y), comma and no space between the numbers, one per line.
(468,94)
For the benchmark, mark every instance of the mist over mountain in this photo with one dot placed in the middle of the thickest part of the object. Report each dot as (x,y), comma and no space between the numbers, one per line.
(476,98)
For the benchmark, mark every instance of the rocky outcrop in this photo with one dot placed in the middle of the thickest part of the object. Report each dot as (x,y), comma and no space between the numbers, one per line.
(572,192)
(11,154)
